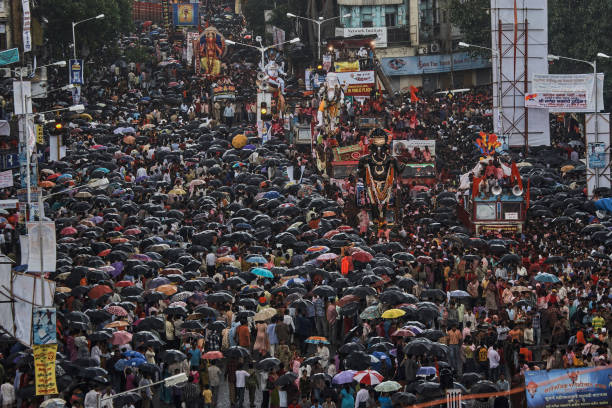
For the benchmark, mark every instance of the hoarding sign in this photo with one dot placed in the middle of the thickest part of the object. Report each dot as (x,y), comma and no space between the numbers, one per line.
(360,83)
(380,32)
(185,14)
(569,388)
(565,93)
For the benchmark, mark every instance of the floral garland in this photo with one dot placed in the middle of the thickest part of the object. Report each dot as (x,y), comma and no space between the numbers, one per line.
(378,195)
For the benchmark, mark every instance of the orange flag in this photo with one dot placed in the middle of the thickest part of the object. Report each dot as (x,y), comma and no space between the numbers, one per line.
(413,97)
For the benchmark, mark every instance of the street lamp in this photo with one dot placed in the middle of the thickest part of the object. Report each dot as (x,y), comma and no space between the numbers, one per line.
(593,65)
(494,53)
(74,24)
(318,22)
(168,382)
(261,48)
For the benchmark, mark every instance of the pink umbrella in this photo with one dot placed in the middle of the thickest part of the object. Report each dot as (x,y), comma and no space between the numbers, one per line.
(132,231)
(68,231)
(116,310)
(330,256)
(121,337)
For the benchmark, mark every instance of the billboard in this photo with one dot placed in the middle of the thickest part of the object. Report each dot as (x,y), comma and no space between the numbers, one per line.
(360,83)
(75,71)
(572,387)
(565,93)
(405,149)
(380,32)
(27,292)
(598,155)
(185,14)
(432,64)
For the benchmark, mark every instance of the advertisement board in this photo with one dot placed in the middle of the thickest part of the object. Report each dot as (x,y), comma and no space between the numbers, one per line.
(346,66)
(432,64)
(44,368)
(44,325)
(597,155)
(380,32)
(76,71)
(222,92)
(185,14)
(360,83)
(402,148)
(569,388)
(565,93)
(598,144)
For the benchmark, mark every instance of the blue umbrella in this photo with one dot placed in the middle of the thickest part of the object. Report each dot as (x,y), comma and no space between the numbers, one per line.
(262,272)
(546,277)
(249,147)
(257,259)
(272,195)
(245,226)
(459,293)
(101,169)
(64,176)
(426,371)
(381,357)
(134,354)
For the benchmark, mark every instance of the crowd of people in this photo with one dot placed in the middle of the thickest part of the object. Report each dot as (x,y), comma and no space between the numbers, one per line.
(203,257)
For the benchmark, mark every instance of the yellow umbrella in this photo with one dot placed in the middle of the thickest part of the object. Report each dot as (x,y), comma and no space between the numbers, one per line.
(177,191)
(63,289)
(239,141)
(265,314)
(524,164)
(393,314)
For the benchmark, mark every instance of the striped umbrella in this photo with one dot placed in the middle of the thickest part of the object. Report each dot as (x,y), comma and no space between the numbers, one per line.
(368,377)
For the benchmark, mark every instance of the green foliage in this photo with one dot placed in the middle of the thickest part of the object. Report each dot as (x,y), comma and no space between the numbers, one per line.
(576,28)
(92,34)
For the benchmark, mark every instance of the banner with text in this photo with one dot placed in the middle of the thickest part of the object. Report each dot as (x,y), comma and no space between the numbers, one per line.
(432,64)
(565,93)
(380,32)
(346,66)
(568,388)
(6,179)
(27,20)
(44,368)
(358,83)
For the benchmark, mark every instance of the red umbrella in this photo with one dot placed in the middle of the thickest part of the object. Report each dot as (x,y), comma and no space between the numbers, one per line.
(68,231)
(121,337)
(212,355)
(116,310)
(104,252)
(402,333)
(346,300)
(330,256)
(99,291)
(123,284)
(362,256)
(330,234)
(54,176)
(132,231)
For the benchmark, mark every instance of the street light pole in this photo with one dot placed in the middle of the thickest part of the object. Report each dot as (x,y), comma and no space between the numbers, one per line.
(261,48)
(74,24)
(318,23)
(168,382)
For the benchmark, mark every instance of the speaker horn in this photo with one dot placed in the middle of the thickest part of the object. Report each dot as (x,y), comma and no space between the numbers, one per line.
(261,76)
(517,191)
(497,190)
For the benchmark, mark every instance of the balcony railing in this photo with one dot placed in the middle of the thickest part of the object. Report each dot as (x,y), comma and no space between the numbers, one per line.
(398,35)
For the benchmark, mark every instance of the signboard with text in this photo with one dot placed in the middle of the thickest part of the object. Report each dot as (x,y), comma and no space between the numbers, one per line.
(565,93)
(569,388)
(44,368)
(76,71)
(380,32)
(432,64)
(360,83)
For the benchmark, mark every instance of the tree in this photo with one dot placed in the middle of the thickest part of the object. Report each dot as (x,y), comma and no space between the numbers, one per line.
(92,35)
(576,28)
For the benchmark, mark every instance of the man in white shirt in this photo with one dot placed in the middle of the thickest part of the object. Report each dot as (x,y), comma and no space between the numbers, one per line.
(241,376)
(91,399)
(493,356)
(211,260)
(362,397)
(7,391)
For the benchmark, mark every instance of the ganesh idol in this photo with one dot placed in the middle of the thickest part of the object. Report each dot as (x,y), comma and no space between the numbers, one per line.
(331,95)
(379,171)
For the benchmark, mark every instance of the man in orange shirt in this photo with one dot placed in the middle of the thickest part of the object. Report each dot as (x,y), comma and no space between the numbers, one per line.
(243,334)
(454,344)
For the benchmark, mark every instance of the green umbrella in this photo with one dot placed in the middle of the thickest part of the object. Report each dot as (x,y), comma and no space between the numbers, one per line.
(370,313)
(388,386)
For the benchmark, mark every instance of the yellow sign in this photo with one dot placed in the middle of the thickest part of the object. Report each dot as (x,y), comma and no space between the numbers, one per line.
(39,135)
(44,368)
(346,66)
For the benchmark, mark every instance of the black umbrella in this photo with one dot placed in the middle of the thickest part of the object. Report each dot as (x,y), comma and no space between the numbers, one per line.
(483,386)
(351,347)
(286,379)
(172,356)
(324,291)
(403,398)
(237,352)
(267,364)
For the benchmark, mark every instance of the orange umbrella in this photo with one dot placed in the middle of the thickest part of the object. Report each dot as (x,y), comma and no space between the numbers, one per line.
(104,252)
(225,259)
(99,291)
(129,140)
(117,325)
(118,240)
(329,214)
(167,290)
(46,184)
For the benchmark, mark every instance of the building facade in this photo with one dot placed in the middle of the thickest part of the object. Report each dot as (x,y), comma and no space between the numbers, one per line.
(416,45)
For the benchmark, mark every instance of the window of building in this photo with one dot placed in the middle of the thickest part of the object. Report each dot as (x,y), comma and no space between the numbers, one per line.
(390,19)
